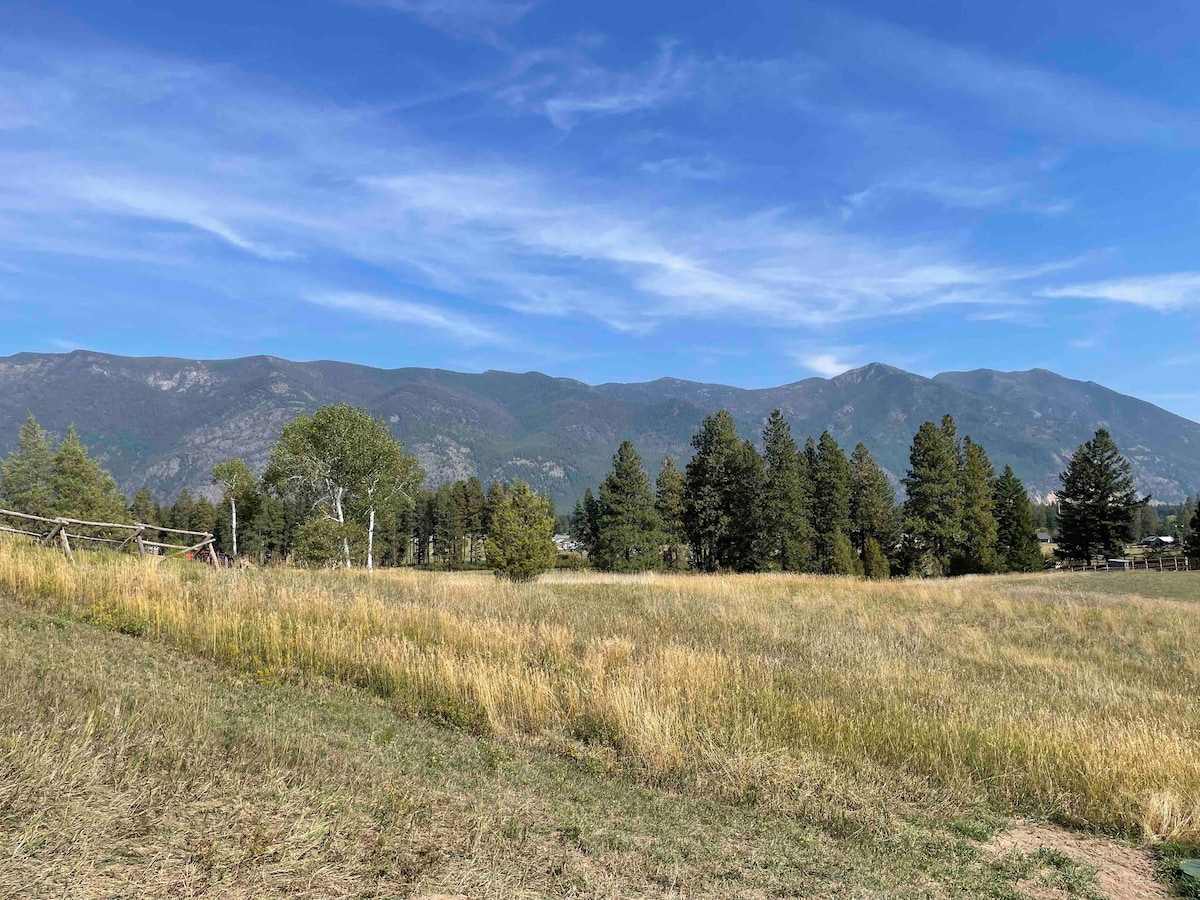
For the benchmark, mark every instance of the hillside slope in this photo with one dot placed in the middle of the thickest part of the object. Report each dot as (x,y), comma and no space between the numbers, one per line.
(164,422)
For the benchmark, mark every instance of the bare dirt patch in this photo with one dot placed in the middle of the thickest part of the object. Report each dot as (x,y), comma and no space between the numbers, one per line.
(1122,872)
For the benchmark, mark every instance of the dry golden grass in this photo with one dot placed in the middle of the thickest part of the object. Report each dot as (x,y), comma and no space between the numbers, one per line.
(841,702)
(128,769)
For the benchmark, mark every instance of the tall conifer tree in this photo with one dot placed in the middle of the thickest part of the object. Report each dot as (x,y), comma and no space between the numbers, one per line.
(747,483)
(872,504)
(831,498)
(788,536)
(1097,500)
(706,513)
(668,502)
(933,509)
(1192,547)
(1017,548)
(25,476)
(977,553)
(723,498)
(630,536)
(81,489)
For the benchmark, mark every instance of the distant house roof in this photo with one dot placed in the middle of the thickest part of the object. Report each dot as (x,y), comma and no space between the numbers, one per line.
(1157,540)
(1044,537)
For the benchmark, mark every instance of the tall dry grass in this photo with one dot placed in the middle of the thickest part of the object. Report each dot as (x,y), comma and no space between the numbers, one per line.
(842,700)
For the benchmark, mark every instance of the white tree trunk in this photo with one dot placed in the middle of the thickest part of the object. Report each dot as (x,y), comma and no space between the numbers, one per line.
(341,517)
(371,541)
(233,517)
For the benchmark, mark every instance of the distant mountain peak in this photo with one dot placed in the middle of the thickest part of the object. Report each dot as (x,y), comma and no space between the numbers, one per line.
(163,422)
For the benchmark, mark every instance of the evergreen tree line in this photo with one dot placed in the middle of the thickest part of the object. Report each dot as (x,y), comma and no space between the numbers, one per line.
(813,509)
(339,490)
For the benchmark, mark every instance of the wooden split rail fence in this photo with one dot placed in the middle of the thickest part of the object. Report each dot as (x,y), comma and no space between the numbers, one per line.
(126,538)
(1143,564)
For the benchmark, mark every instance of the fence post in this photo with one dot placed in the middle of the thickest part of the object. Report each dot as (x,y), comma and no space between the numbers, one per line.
(66,544)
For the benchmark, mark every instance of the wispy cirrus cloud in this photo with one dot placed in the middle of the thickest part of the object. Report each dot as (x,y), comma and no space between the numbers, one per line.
(407,312)
(1023,93)
(980,189)
(1165,293)
(184,165)
(566,85)
(459,17)
(690,168)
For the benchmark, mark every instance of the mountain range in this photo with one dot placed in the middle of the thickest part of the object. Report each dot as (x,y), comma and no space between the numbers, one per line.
(163,422)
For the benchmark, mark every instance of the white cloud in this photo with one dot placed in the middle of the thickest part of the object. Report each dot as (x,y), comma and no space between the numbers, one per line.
(1165,293)
(406,312)
(830,362)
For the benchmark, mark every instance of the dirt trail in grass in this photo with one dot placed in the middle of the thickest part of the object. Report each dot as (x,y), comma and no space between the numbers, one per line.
(1122,872)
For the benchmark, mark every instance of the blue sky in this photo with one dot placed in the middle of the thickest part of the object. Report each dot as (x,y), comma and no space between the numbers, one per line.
(748,193)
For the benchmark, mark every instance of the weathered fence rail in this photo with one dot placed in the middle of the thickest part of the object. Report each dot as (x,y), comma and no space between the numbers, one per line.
(1143,564)
(124,537)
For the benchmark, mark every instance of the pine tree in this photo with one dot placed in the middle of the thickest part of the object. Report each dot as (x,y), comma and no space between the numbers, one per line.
(842,558)
(630,535)
(788,536)
(474,502)
(1017,548)
(746,550)
(204,516)
(722,499)
(142,509)
(1188,519)
(872,505)
(977,554)
(668,503)
(521,541)
(267,536)
(875,563)
(80,488)
(1192,546)
(180,515)
(933,509)
(706,513)
(586,523)
(831,499)
(1145,523)
(492,502)
(1098,501)
(26,475)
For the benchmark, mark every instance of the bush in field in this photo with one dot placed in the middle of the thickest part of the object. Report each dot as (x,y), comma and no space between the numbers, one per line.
(521,544)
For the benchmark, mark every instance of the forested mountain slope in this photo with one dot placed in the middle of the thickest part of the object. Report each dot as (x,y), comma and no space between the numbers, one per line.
(164,422)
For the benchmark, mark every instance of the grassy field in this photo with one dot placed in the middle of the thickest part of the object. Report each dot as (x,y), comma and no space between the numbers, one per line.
(245,733)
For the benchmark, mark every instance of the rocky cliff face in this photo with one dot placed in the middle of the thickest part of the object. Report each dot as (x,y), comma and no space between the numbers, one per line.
(164,422)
